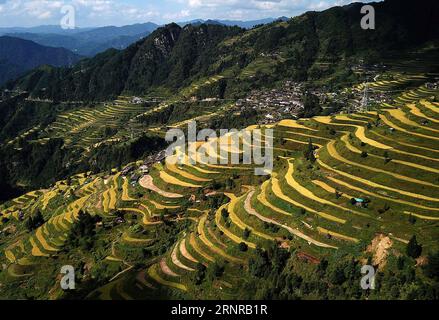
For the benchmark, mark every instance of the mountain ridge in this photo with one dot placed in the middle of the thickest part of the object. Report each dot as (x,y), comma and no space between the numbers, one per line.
(331,36)
(17,56)
(91,41)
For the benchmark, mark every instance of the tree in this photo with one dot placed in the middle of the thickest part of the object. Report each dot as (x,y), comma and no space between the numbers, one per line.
(224,214)
(246,233)
(309,152)
(200,274)
(400,263)
(311,105)
(259,265)
(243,247)
(387,158)
(414,249)
(83,232)
(322,267)
(431,270)
(217,270)
(34,222)
(338,277)
(412,219)
(384,209)
(364,154)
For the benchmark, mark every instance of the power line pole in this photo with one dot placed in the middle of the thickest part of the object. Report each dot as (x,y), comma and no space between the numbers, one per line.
(365,102)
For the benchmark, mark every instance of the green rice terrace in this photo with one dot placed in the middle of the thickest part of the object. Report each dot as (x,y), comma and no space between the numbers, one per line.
(112,122)
(351,189)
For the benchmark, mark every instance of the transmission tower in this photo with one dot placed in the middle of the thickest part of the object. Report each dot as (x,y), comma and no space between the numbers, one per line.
(365,101)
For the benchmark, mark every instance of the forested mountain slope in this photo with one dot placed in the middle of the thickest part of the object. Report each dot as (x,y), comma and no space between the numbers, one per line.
(18,56)
(172,57)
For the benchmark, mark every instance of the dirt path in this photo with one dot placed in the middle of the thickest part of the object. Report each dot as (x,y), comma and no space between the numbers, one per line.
(380,247)
(277,190)
(212,247)
(391,124)
(241,224)
(373,184)
(251,211)
(166,177)
(122,272)
(177,262)
(148,183)
(166,270)
(293,183)
(348,145)
(185,253)
(332,151)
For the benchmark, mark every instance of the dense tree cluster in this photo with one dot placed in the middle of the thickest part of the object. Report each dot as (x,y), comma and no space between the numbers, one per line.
(279,274)
(34,221)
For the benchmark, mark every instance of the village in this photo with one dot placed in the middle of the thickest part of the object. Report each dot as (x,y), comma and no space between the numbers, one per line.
(276,104)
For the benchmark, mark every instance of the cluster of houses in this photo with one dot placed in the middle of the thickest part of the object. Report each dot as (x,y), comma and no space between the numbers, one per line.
(135,173)
(8,94)
(275,103)
(368,70)
(432,85)
(137,100)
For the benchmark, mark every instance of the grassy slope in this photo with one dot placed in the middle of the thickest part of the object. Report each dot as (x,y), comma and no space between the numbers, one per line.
(299,198)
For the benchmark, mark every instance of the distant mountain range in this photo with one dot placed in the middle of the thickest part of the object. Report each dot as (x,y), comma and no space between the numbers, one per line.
(173,57)
(85,42)
(52,45)
(91,41)
(17,56)
(56,29)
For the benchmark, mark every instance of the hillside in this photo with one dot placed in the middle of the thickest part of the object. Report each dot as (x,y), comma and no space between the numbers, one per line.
(355,120)
(311,46)
(234,23)
(18,56)
(207,231)
(176,71)
(91,41)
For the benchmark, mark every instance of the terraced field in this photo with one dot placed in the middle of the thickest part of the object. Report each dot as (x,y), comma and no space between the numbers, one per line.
(372,173)
(398,81)
(84,127)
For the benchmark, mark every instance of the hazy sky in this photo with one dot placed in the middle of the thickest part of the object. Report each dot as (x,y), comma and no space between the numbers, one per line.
(122,12)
